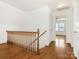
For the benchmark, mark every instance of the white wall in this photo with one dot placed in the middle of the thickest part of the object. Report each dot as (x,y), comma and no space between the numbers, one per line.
(9,17)
(40,19)
(12,18)
(75,35)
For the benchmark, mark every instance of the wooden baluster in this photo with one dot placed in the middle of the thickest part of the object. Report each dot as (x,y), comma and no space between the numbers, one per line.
(35,43)
(32,41)
(29,41)
(26,44)
(31,48)
(33,38)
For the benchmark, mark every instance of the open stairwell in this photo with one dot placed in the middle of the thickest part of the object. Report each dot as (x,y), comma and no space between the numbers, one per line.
(17,49)
(12,51)
(69,52)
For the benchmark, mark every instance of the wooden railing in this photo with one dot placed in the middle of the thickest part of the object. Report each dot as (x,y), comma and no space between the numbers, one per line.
(36,42)
(28,40)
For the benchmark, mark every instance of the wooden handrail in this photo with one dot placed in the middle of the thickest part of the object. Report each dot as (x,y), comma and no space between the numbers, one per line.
(36,38)
(20,31)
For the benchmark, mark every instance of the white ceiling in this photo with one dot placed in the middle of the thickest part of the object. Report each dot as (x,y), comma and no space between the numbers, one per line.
(27,5)
(55,3)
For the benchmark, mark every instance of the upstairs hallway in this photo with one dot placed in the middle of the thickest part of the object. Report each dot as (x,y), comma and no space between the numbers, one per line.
(54,51)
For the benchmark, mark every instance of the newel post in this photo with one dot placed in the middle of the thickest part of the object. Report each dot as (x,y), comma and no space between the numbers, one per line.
(38,41)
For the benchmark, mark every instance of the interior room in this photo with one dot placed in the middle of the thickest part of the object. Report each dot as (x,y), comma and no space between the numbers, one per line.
(39,29)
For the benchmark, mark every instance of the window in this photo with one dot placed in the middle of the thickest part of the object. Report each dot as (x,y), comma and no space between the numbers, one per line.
(60,25)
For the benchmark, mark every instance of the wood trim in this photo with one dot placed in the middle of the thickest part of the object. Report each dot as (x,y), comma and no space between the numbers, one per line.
(20,32)
(60,35)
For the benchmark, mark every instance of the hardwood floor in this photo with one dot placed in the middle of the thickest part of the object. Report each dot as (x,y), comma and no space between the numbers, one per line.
(11,51)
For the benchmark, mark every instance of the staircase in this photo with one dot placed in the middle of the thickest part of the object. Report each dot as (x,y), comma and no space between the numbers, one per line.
(27,39)
(49,52)
(32,51)
(69,51)
(12,51)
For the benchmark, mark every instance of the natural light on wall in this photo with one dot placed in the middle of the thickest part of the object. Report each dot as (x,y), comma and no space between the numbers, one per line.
(76,28)
(60,43)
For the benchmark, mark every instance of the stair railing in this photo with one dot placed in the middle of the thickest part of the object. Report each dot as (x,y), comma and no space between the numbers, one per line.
(27,39)
(34,45)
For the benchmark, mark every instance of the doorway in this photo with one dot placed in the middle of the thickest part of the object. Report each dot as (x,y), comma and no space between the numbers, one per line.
(60,32)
